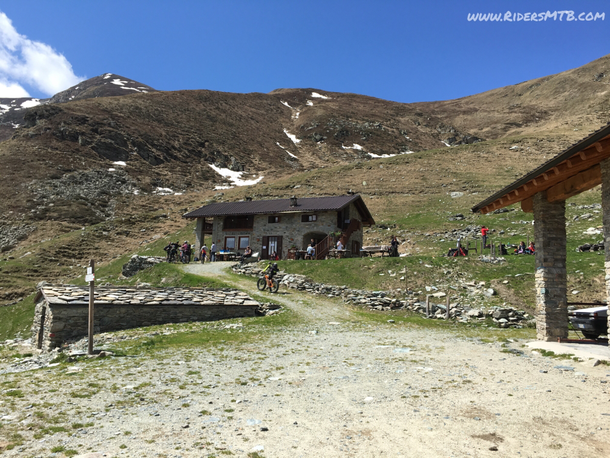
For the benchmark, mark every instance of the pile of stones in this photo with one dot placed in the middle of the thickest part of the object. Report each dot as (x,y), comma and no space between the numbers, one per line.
(503,316)
(11,234)
(138,263)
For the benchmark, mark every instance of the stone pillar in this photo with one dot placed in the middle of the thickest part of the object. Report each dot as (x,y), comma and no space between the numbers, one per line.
(551,278)
(605,166)
(199,235)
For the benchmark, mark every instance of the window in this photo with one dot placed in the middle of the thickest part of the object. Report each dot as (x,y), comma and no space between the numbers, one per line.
(238,222)
(273,219)
(229,243)
(308,218)
(244,242)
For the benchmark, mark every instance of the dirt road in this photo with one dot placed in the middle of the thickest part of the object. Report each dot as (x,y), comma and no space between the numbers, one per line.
(329,382)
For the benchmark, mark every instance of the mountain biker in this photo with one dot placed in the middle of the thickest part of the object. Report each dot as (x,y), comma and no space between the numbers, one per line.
(270,272)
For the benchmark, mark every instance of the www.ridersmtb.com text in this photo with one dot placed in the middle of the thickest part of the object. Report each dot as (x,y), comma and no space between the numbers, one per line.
(567,16)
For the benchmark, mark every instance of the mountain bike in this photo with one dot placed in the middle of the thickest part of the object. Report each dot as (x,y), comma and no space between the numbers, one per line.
(266,282)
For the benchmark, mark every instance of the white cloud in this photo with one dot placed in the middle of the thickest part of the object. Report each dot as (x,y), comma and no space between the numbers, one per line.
(23,61)
(11,90)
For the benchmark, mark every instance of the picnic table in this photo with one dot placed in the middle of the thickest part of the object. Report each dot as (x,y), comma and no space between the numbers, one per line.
(226,255)
(371,250)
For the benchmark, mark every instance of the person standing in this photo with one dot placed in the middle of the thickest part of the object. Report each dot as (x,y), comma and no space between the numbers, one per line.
(204,253)
(484,232)
(213,252)
(394,247)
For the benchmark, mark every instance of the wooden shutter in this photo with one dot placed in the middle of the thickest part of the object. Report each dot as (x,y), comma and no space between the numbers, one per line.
(265,248)
(279,246)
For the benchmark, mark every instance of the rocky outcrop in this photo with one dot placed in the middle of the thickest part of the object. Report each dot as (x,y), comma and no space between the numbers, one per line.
(138,263)
(13,234)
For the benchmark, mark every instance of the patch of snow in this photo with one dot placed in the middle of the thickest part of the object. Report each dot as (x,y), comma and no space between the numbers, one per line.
(285,103)
(296,115)
(123,163)
(4,108)
(131,88)
(111,169)
(235,177)
(163,191)
(136,192)
(445,143)
(292,137)
(15,125)
(310,103)
(30,103)
(107,75)
(289,153)
(354,146)
(318,96)
(177,194)
(217,188)
(118,82)
(389,155)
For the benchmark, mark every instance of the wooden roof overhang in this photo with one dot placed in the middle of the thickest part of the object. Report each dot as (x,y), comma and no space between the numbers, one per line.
(575,170)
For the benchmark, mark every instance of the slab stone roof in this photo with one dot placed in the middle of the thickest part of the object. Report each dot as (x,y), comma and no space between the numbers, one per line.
(79,295)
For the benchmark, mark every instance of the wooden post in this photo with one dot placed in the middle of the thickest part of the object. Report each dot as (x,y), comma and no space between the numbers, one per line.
(427,306)
(91,279)
(447,311)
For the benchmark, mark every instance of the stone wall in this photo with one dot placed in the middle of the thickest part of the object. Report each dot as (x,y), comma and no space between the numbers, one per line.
(63,310)
(551,278)
(290,228)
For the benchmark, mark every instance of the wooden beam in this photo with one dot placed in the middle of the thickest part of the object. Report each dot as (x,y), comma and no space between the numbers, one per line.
(527,205)
(575,185)
(598,146)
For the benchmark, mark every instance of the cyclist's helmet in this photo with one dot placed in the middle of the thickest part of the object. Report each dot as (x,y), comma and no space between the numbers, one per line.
(275,265)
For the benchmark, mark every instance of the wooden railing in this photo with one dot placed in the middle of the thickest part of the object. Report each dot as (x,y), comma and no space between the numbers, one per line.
(353,226)
(322,247)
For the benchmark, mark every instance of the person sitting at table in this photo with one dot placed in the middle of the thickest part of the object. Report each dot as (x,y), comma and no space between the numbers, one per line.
(247,254)
(274,256)
(339,245)
(311,252)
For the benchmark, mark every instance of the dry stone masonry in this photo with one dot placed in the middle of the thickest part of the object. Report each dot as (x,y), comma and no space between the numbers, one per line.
(551,276)
(62,311)
(503,317)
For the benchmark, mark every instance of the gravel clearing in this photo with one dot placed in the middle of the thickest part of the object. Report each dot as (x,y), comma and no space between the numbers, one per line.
(329,381)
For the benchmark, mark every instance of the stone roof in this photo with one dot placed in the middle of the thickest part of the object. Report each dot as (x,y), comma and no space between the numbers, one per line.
(275,206)
(79,295)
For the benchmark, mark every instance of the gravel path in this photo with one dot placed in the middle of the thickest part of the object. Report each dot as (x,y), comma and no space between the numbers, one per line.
(326,382)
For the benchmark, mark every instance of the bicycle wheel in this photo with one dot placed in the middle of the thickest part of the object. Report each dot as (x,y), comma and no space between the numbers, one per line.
(275,285)
(261,284)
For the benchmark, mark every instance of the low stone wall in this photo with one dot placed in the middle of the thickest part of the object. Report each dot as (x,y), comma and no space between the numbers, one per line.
(504,317)
(62,311)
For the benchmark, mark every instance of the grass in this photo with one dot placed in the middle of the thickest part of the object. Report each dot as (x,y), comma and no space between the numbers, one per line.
(17,319)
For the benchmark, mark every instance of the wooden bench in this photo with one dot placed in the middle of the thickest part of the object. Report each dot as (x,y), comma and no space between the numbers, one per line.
(370,250)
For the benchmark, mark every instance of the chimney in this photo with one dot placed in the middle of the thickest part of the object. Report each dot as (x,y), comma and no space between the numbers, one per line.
(293,201)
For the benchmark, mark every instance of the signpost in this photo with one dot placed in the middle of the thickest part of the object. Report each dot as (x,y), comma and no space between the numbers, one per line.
(90,277)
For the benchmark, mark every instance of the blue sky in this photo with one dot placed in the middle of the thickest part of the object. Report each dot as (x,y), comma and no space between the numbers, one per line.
(406,51)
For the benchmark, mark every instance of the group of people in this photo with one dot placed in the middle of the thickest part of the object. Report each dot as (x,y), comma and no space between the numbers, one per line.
(522,249)
(207,255)
(176,252)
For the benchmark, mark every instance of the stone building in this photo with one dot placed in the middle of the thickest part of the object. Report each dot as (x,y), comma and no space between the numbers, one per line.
(283,225)
(543,191)
(62,311)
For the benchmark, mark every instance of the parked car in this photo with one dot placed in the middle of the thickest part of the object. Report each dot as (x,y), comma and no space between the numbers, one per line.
(592,322)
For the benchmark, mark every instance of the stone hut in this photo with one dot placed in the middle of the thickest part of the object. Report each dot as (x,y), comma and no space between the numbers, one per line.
(543,191)
(62,311)
(276,226)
